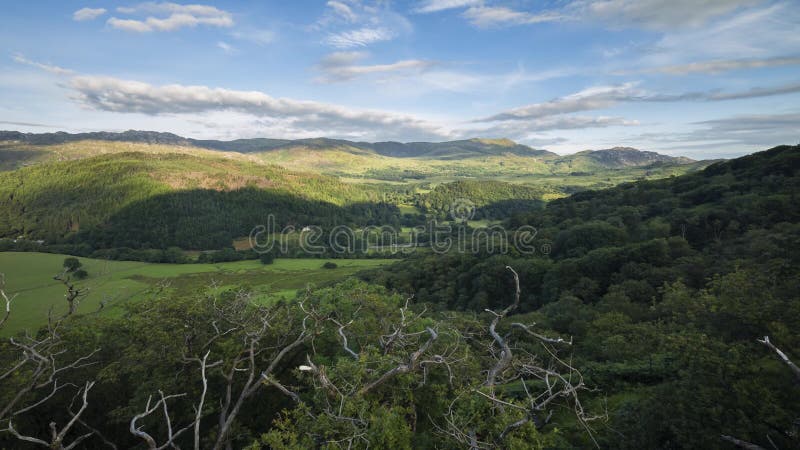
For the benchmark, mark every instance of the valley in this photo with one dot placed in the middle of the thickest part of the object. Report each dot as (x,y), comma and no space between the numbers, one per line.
(650,273)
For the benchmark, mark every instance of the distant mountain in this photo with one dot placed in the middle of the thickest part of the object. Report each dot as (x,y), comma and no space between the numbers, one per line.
(469,148)
(386,161)
(147,137)
(617,158)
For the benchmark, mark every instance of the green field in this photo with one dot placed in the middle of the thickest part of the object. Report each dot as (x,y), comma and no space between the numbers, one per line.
(30,276)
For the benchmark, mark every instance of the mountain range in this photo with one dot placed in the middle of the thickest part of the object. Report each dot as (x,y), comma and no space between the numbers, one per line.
(613,158)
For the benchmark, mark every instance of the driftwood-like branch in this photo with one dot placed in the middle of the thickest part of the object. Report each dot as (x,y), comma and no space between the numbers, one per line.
(40,360)
(344,338)
(57,436)
(505,350)
(406,367)
(8,299)
(741,444)
(795,370)
(160,404)
(514,363)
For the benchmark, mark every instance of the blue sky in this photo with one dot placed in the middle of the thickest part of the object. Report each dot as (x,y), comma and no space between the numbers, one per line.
(702,78)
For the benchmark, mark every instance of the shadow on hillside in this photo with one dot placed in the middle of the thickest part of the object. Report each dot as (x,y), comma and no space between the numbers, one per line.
(209,219)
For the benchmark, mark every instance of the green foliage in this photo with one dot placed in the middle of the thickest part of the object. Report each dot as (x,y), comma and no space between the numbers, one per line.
(267,257)
(329,265)
(71,264)
(665,287)
(80,274)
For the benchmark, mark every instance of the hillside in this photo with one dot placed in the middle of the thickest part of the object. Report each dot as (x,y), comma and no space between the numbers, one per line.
(146,189)
(454,149)
(138,200)
(666,289)
(615,158)
(377,162)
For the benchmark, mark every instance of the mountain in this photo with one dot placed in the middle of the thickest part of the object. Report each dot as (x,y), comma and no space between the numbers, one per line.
(383,161)
(146,137)
(468,148)
(617,158)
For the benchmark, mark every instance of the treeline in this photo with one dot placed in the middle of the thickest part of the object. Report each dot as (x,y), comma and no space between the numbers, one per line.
(666,286)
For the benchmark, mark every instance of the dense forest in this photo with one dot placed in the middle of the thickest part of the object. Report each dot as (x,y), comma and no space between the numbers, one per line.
(665,286)
(658,320)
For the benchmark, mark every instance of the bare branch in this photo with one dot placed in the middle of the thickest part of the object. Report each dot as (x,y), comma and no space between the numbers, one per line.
(7,299)
(411,365)
(740,443)
(171,437)
(782,356)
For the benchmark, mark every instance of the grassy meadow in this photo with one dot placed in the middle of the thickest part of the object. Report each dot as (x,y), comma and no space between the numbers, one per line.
(30,277)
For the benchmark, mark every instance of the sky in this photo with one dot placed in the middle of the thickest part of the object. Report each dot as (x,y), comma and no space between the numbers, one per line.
(699,78)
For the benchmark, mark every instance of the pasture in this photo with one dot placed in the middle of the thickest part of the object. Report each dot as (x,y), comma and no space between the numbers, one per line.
(29,276)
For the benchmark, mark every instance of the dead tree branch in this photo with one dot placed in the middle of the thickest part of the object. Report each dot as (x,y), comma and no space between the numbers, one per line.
(795,370)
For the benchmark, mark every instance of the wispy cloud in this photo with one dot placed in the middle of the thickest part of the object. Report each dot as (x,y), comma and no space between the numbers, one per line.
(28,124)
(494,16)
(46,67)
(430,6)
(753,130)
(359,38)
(601,97)
(344,66)
(647,14)
(593,98)
(227,48)
(719,66)
(342,10)
(354,23)
(88,14)
(174,17)
(657,14)
(524,129)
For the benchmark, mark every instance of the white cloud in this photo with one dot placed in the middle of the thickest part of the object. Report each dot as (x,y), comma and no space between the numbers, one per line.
(493,16)
(524,129)
(343,66)
(88,13)
(658,14)
(598,97)
(721,65)
(342,10)
(176,17)
(429,6)
(601,97)
(757,33)
(46,67)
(227,48)
(755,131)
(357,23)
(126,96)
(359,38)
(647,14)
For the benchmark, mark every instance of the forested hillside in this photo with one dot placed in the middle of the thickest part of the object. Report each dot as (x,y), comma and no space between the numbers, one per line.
(643,327)
(382,161)
(665,287)
(141,200)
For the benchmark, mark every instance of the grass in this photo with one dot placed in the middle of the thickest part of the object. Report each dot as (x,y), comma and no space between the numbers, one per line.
(30,277)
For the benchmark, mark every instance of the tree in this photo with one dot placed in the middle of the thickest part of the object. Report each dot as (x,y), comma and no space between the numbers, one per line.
(267,258)
(80,274)
(72,264)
